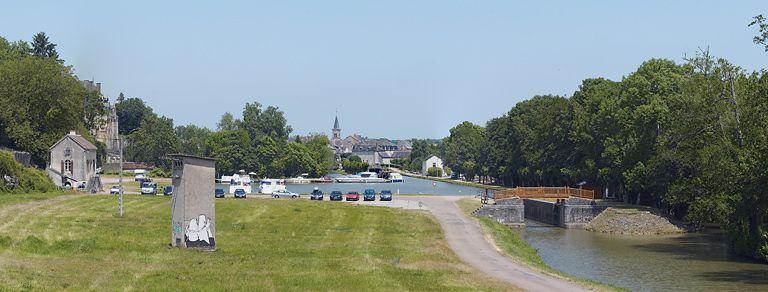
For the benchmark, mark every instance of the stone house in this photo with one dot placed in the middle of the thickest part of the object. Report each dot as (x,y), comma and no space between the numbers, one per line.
(73,162)
(432,161)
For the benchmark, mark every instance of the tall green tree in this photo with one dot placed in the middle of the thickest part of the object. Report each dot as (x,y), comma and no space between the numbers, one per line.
(464,148)
(130,113)
(192,139)
(152,141)
(42,47)
(41,101)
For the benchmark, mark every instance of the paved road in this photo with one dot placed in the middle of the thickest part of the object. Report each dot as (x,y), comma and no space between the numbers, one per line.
(467,240)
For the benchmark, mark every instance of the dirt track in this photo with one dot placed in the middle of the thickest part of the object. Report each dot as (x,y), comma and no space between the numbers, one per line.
(466,238)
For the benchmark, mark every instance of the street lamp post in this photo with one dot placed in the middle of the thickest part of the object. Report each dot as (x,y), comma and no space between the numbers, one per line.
(120,180)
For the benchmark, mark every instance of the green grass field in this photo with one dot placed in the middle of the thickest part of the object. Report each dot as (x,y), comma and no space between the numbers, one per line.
(10,199)
(77,242)
(508,240)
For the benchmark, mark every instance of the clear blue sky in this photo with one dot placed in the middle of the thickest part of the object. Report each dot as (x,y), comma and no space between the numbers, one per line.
(395,69)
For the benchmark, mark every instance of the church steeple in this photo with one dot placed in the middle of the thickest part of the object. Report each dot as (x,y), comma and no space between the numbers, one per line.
(336,129)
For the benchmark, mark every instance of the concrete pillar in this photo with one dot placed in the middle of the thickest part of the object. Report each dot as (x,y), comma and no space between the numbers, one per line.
(193,223)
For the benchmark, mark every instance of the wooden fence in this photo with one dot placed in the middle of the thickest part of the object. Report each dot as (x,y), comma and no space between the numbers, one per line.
(544,193)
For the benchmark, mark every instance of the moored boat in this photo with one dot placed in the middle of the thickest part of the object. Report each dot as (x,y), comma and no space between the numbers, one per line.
(363,177)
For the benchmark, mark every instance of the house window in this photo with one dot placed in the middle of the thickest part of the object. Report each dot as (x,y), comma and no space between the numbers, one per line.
(67,152)
(68,165)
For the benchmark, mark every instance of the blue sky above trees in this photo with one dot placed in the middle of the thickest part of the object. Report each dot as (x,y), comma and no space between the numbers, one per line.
(393,69)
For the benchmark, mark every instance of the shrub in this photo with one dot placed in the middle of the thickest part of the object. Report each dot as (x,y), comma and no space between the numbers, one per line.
(29,179)
(435,171)
(159,172)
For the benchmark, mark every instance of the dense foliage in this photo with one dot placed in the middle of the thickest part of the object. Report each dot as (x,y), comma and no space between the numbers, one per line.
(40,98)
(16,178)
(691,138)
(354,164)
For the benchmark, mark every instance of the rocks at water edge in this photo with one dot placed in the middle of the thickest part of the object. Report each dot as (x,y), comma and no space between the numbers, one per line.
(633,222)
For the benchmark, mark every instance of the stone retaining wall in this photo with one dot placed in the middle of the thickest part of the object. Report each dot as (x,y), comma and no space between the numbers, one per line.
(509,211)
(542,211)
(577,213)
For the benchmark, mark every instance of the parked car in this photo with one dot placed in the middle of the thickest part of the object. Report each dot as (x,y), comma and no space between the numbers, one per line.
(168,190)
(114,190)
(148,188)
(386,195)
(336,196)
(284,194)
(369,195)
(239,193)
(316,195)
(218,193)
(353,196)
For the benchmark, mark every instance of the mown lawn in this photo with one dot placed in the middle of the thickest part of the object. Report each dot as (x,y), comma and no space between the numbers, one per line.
(79,243)
(10,199)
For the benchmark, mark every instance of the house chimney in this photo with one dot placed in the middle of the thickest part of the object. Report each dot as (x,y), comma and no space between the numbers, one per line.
(72,132)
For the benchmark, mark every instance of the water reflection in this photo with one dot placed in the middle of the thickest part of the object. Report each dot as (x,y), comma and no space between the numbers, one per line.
(689,262)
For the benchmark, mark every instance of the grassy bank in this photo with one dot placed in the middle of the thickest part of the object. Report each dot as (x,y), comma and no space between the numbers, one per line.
(509,241)
(79,244)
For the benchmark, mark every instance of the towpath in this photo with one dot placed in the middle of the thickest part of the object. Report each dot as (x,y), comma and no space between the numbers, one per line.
(466,238)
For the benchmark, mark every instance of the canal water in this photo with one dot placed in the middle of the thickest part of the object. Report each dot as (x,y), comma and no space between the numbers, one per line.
(688,262)
(410,185)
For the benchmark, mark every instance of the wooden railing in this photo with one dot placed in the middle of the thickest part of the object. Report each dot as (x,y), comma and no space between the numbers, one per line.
(544,193)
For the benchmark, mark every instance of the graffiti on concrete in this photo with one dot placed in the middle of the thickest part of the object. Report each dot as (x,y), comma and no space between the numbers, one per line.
(199,232)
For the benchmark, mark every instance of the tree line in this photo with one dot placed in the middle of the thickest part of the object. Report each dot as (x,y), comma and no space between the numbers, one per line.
(691,138)
(255,142)
(41,99)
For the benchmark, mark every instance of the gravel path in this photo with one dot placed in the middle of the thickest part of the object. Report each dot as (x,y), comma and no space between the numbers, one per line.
(466,238)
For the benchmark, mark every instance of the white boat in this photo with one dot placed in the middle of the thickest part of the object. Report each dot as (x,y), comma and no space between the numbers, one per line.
(238,181)
(270,185)
(300,180)
(395,177)
(363,177)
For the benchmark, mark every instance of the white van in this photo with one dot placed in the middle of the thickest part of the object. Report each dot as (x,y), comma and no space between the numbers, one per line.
(139,174)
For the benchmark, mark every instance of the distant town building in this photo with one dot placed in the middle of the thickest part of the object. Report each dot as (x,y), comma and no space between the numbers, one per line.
(379,151)
(73,162)
(106,130)
(432,161)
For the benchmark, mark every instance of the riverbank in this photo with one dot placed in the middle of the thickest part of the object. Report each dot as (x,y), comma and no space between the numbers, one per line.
(448,180)
(634,221)
(510,243)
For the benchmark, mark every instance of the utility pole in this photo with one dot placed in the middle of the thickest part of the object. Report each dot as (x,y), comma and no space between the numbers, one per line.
(120,180)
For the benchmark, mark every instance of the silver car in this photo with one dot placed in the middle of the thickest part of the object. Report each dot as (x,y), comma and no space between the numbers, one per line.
(284,194)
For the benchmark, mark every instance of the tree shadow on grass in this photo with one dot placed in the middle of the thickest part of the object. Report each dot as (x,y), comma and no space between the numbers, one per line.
(756,277)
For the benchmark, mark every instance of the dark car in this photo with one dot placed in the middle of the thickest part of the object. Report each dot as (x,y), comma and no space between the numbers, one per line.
(168,190)
(240,193)
(353,196)
(369,195)
(218,193)
(316,195)
(386,195)
(336,196)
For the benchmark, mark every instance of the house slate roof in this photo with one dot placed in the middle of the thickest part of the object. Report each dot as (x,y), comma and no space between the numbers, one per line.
(79,140)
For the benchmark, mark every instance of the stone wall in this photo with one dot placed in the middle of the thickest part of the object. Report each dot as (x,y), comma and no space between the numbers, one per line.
(509,211)
(577,213)
(542,211)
